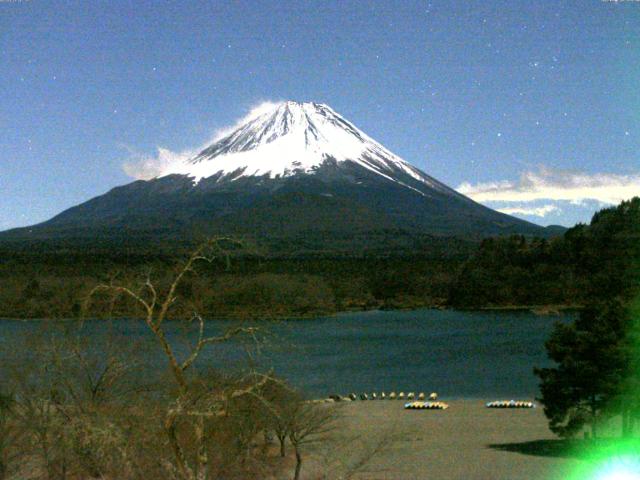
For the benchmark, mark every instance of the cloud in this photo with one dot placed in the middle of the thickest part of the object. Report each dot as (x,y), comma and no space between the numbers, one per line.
(542,211)
(553,184)
(166,161)
(163,162)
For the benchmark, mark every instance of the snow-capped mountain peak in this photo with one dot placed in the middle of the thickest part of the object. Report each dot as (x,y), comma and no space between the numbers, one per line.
(296,176)
(290,138)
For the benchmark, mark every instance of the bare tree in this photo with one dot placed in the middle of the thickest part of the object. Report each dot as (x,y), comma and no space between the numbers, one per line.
(280,403)
(309,423)
(9,434)
(192,401)
(72,395)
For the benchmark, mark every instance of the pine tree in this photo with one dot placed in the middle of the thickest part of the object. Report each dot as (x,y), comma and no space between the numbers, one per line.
(597,356)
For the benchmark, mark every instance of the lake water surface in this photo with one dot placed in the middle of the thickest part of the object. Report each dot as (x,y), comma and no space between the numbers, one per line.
(457,354)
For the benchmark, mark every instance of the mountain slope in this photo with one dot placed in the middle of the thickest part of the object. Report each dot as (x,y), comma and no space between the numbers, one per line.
(290,170)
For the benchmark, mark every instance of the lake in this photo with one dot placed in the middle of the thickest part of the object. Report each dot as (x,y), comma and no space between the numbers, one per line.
(457,354)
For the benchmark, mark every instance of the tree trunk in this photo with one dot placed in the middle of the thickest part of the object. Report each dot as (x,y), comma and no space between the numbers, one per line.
(296,476)
(173,362)
(203,459)
(181,461)
(282,446)
(594,419)
(46,457)
(626,423)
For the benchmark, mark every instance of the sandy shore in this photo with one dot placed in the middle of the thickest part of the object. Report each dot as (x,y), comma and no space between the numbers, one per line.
(467,441)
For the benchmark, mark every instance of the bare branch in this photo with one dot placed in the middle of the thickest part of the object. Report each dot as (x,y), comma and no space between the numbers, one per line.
(202,341)
(170,298)
(196,351)
(151,288)
(229,334)
(121,289)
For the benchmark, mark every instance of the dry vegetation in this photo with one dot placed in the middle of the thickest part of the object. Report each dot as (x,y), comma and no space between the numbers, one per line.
(77,406)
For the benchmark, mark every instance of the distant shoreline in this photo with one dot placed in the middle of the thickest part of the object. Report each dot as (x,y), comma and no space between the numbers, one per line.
(536,309)
(541,310)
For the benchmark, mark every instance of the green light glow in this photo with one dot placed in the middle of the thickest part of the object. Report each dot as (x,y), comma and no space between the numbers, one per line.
(614,453)
(616,458)
(619,469)
(610,460)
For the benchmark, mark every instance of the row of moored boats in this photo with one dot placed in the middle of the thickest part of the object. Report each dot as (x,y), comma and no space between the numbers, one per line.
(384,396)
(511,404)
(421,401)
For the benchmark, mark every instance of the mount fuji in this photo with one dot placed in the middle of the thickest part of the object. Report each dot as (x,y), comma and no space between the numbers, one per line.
(288,170)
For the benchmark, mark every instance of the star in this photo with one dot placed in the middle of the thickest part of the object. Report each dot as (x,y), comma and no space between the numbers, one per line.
(626,133)
(499,134)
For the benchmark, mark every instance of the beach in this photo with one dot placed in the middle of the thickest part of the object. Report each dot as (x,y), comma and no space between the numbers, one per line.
(466,441)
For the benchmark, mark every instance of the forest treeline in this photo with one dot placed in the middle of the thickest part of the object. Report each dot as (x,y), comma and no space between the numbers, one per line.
(498,272)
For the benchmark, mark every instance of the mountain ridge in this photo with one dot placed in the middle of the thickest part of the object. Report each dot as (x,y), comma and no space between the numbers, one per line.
(291,170)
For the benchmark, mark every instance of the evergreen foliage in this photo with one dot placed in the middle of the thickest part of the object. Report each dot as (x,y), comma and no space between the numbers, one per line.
(596,356)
